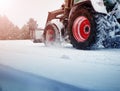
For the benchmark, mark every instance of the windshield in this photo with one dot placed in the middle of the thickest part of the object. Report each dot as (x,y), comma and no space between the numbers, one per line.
(76,1)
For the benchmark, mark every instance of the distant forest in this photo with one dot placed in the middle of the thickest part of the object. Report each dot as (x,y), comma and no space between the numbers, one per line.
(9,31)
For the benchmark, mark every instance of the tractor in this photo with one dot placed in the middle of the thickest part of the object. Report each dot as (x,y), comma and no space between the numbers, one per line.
(86,24)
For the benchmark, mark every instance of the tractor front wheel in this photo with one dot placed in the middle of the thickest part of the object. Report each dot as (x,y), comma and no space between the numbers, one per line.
(51,35)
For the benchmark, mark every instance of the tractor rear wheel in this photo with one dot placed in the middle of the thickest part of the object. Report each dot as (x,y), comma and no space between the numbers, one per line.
(51,35)
(82,29)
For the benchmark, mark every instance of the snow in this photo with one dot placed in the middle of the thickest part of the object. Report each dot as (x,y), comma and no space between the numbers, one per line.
(95,70)
(15,80)
(99,6)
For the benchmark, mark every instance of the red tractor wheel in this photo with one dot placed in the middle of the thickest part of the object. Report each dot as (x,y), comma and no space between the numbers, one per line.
(82,29)
(51,35)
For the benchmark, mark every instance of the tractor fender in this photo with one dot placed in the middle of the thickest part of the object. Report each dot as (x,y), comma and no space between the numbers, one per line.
(77,6)
(99,6)
(95,5)
(57,23)
(59,26)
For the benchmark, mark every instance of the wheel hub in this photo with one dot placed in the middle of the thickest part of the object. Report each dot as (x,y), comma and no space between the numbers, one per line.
(50,35)
(81,29)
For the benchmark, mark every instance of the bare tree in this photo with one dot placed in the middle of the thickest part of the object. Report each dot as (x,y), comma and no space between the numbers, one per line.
(32,24)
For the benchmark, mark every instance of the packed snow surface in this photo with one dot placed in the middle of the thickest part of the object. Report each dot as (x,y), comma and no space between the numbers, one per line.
(94,70)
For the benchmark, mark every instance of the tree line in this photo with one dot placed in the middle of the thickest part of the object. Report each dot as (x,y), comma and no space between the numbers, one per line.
(9,31)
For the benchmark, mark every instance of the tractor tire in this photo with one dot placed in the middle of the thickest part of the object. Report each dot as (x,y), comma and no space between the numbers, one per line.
(82,28)
(118,20)
(51,35)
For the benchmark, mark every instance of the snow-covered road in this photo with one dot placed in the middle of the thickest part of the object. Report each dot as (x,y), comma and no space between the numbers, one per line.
(96,70)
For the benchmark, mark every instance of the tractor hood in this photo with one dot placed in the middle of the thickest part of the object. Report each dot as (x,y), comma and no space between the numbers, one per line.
(99,6)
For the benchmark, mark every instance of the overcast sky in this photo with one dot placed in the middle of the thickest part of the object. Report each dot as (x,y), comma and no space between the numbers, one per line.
(19,11)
